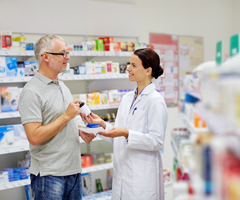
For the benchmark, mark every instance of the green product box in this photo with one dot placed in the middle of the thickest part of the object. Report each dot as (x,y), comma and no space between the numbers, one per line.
(99,45)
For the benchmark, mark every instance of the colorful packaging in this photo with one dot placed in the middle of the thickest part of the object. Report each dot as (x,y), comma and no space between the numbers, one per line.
(3,67)
(6,39)
(115,68)
(117,46)
(99,45)
(9,99)
(130,46)
(11,66)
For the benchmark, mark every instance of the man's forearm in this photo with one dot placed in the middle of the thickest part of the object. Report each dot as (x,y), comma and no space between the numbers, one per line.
(46,132)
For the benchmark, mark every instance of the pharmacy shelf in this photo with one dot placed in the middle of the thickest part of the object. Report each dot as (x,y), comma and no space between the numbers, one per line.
(14,184)
(176,152)
(93,77)
(6,115)
(23,145)
(217,122)
(194,93)
(97,168)
(72,53)
(17,147)
(169,183)
(66,77)
(190,126)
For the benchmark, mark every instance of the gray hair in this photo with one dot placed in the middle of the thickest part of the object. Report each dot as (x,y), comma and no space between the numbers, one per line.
(45,43)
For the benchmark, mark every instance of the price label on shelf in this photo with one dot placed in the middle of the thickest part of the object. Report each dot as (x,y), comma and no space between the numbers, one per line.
(6,52)
(6,151)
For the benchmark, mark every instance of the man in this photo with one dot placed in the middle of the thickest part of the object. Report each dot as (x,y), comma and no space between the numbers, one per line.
(48,114)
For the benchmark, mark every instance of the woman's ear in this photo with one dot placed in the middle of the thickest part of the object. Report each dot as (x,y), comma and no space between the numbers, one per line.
(149,71)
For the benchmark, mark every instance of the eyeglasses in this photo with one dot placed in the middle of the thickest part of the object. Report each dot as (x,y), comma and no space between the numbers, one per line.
(65,54)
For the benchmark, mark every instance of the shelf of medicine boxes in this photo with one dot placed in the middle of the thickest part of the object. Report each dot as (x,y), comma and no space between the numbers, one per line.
(72,53)
(66,77)
(23,145)
(177,156)
(84,170)
(190,126)
(6,115)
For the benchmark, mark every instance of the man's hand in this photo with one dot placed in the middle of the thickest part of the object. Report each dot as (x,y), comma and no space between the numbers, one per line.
(115,132)
(93,119)
(72,109)
(87,137)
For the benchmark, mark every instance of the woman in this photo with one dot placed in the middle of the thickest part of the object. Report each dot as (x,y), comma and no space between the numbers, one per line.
(139,133)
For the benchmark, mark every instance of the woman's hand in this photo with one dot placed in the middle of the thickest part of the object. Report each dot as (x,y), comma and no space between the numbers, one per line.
(115,132)
(93,119)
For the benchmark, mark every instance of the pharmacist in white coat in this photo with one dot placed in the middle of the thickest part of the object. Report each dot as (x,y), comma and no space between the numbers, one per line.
(139,133)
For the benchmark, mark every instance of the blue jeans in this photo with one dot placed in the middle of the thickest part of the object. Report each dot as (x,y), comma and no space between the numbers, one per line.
(56,187)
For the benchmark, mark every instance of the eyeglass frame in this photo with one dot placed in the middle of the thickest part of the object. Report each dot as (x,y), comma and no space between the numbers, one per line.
(65,54)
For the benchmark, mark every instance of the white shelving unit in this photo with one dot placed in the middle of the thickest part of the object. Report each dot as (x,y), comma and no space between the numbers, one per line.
(20,183)
(72,53)
(68,78)
(190,126)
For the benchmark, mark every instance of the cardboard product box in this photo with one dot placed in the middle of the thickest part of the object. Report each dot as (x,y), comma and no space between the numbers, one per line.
(11,69)
(20,69)
(98,67)
(104,98)
(99,45)
(9,99)
(96,98)
(130,46)
(115,68)
(86,184)
(31,67)
(150,46)
(6,135)
(122,68)
(90,99)
(19,132)
(5,40)
(117,46)
(3,67)
(104,67)
(123,46)
(108,43)
(109,67)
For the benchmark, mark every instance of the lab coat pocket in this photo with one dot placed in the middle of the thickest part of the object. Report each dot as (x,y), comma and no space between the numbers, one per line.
(144,176)
(137,121)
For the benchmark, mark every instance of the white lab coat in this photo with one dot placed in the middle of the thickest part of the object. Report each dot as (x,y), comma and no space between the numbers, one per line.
(137,164)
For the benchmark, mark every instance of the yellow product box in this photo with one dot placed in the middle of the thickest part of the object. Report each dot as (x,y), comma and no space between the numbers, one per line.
(90,99)
(96,98)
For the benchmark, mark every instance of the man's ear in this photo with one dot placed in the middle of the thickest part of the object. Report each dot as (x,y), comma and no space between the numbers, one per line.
(45,57)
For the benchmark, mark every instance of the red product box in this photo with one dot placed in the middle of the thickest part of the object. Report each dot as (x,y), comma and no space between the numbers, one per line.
(86,161)
(117,46)
(108,43)
(6,41)
(151,46)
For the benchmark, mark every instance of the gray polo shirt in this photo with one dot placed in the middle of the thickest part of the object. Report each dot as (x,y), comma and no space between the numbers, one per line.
(43,100)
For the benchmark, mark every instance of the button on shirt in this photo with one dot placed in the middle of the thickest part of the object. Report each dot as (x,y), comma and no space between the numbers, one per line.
(44,100)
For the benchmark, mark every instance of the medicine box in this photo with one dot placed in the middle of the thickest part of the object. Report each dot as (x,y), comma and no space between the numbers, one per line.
(11,66)
(9,99)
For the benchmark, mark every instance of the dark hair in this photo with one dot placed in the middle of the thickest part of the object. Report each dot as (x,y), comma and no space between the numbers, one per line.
(151,59)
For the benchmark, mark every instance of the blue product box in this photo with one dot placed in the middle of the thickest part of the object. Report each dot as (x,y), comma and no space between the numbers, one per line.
(11,69)
(28,192)
(6,135)
(2,67)
(19,131)
(20,69)
(9,99)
